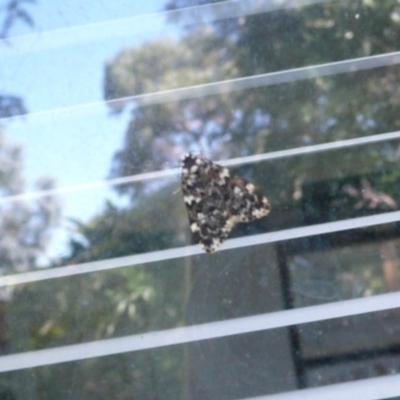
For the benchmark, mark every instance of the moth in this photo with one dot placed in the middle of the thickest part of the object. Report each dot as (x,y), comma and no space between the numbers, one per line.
(217,201)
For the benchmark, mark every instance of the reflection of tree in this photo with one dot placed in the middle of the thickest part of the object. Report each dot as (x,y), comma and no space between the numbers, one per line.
(140,299)
(11,106)
(6,394)
(25,227)
(303,190)
(157,134)
(103,305)
(25,230)
(11,12)
(270,118)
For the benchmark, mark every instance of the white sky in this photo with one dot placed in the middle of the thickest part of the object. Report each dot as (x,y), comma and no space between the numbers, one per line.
(64,68)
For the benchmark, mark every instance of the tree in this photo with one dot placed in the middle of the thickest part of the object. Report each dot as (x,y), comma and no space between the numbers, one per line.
(160,65)
(153,297)
(107,304)
(26,227)
(302,190)
(268,118)
(11,12)
(14,11)
(25,230)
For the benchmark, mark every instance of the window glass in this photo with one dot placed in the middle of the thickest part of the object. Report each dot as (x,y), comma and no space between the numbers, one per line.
(104,291)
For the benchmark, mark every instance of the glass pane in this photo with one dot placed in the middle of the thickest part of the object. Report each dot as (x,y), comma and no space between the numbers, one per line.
(104,291)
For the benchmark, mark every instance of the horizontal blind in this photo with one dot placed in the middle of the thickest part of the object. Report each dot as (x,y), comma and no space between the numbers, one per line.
(376,388)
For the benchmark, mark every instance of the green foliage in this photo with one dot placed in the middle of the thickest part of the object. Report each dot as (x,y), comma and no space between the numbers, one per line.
(140,298)
(309,189)
(267,118)
(121,302)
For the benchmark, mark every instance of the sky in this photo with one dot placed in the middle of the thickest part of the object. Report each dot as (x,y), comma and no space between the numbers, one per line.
(58,65)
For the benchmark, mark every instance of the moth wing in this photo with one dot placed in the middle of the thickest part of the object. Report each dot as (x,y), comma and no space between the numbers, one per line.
(247,203)
(210,230)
